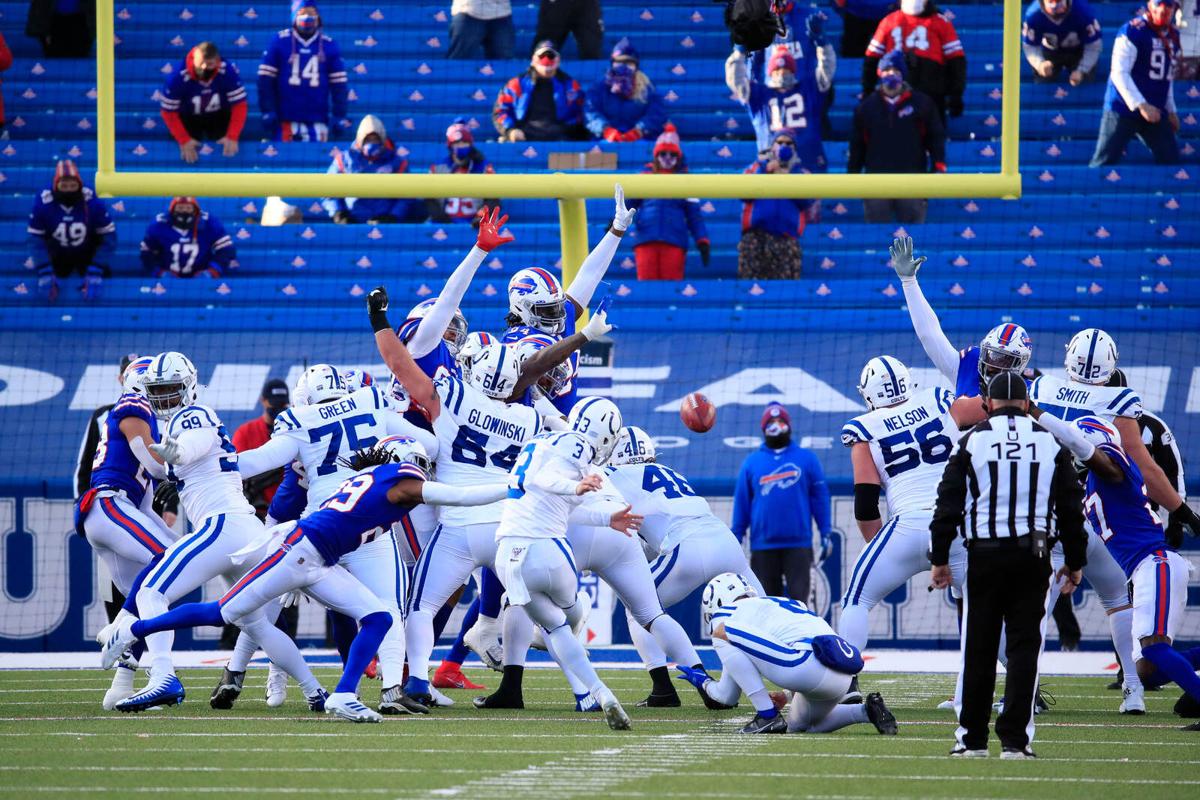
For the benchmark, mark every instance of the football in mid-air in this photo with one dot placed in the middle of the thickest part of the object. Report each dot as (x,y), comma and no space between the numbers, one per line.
(697,412)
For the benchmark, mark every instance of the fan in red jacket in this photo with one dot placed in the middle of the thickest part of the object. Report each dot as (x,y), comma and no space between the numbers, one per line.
(660,230)
(937,64)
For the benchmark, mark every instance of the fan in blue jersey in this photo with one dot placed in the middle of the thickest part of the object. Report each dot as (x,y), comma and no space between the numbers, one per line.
(204,99)
(391,479)
(301,76)
(70,231)
(372,152)
(1061,36)
(787,99)
(462,158)
(186,242)
(804,37)
(1140,98)
(1118,508)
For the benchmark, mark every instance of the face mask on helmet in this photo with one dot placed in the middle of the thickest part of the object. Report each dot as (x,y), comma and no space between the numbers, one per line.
(134,377)
(599,421)
(170,384)
(1006,348)
(913,8)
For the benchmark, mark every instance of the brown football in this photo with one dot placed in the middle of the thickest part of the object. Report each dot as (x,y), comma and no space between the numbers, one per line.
(697,412)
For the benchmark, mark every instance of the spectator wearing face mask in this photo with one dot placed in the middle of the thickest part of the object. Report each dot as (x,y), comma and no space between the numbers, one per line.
(624,105)
(204,100)
(462,158)
(257,432)
(771,227)
(661,227)
(896,129)
(804,38)
(1061,37)
(786,100)
(543,104)
(581,18)
(303,89)
(372,152)
(186,242)
(937,64)
(70,231)
(1140,99)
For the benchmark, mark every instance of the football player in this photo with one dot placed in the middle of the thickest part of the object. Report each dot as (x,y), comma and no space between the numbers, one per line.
(389,478)
(779,639)
(70,231)
(186,242)
(301,76)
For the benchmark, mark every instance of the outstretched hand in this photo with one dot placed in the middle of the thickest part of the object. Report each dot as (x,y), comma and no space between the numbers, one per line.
(377,300)
(167,450)
(598,324)
(625,521)
(622,216)
(489,236)
(903,262)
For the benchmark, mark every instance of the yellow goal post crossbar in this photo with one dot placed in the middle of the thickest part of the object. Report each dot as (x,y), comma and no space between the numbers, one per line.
(570,189)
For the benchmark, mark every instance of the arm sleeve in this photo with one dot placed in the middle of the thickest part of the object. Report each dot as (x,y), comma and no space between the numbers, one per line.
(1121,73)
(737,77)
(1091,55)
(268,73)
(237,120)
(818,496)
(149,252)
(153,468)
(655,116)
(956,76)
(1068,511)
(339,87)
(597,513)
(431,329)
(948,513)
(929,330)
(1033,52)
(826,67)
(592,270)
(441,494)
(277,452)
(397,425)
(503,116)
(550,478)
(935,135)
(1069,436)
(695,220)
(741,504)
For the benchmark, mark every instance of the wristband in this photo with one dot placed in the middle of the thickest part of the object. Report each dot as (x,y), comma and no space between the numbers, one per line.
(379,321)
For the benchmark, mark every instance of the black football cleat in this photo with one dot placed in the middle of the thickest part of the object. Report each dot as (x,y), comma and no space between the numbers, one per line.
(1119,682)
(1187,707)
(853,695)
(711,704)
(759,724)
(1195,726)
(227,691)
(498,700)
(880,715)
(661,700)
(393,700)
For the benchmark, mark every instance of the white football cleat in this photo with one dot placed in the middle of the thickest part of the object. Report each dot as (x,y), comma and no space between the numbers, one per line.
(119,640)
(1134,700)
(439,700)
(277,682)
(614,715)
(345,705)
(121,688)
(483,642)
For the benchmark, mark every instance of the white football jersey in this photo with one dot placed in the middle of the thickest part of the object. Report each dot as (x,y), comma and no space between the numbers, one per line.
(210,483)
(533,509)
(910,444)
(478,442)
(672,509)
(775,619)
(1070,400)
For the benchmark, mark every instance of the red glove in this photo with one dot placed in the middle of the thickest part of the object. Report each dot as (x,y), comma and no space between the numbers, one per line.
(611,134)
(939,166)
(489,236)
(631,135)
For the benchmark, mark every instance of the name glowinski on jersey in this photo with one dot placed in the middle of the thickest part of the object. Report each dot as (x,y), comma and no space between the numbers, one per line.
(496,425)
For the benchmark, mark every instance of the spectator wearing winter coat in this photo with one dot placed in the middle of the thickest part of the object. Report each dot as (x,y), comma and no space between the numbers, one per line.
(860,18)
(1061,37)
(544,104)
(372,152)
(70,232)
(661,227)
(303,87)
(186,242)
(937,63)
(462,158)
(624,105)
(896,129)
(65,28)
(772,227)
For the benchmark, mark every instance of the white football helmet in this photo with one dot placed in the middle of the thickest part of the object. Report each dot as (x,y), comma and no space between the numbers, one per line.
(599,420)
(398,395)
(634,446)
(1091,357)
(1006,348)
(299,396)
(554,381)
(357,379)
(722,591)
(537,299)
(1097,431)
(495,371)
(456,331)
(134,376)
(472,346)
(406,448)
(884,382)
(170,383)
(324,382)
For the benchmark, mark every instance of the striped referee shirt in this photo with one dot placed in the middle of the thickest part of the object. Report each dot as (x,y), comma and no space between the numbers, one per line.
(1008,477)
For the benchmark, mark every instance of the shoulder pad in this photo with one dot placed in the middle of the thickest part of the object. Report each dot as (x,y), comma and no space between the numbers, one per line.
(193,418)
(285,423)
(566,445)
(132,405)
(854,432)
(1126,403)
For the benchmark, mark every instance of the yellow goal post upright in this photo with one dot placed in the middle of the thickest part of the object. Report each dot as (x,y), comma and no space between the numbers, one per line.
(569,189)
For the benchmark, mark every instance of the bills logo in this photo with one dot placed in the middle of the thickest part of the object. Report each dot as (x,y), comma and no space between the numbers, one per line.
(523,286)
(783,477)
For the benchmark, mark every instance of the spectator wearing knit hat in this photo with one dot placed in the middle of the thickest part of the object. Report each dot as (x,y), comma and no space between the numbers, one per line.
(772,226)
(661,227)
(543,104)
(462,158)
(624,105)
(780,492)
(896,129)
(788,97)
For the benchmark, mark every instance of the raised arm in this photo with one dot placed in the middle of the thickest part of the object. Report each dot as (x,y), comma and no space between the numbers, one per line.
(596,264)
(547,358)
(1073,439)
(924,320)
(399,361)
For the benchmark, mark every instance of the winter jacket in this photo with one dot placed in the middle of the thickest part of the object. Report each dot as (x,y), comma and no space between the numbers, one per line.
(778,496)
(903,134)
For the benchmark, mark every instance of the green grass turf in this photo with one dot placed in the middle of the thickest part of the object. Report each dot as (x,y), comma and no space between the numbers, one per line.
(55,741)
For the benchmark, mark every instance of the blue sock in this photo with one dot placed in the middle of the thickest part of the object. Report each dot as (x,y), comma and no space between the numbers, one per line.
(440,619)
(1159,678)
(415,686)
(344,630)
(458,651)
(490,592)
(188,615)
(138,649)
(131,598)
(372,629)
(1172,663)
(770,713)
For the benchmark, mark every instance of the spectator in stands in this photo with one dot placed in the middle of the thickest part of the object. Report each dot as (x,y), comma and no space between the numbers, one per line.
(301,76)
(937,64)
(1140,99)
(661,227)
(1188,22)
(780,492)
(372,151)
(557,18)
(257,432)
(462,158)
(204,100)
(860,18)
(624,105)
(65,28)
(543,104)
(772,227)
(6,60)
(186,242)
(896,129)
(804,37)
(787,100)
(1061,37)
(481,28)
(70,231)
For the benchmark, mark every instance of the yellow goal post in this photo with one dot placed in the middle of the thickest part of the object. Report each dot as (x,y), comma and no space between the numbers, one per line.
(570,189)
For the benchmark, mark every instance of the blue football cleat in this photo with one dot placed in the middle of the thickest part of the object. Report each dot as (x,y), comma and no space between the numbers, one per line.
(586,703)
(165,691)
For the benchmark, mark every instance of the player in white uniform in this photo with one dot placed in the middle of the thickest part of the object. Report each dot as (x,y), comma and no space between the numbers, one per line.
(779,639)
(689,545)
(900,447)
(227,537)
(533,557)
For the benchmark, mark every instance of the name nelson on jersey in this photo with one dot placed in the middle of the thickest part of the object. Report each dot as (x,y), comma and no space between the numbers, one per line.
(501,427)
(907,419)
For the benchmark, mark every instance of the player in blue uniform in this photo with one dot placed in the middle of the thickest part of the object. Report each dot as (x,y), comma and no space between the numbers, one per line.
(70,231)
(1061,36)
(204,100)
(787,99)
(186,242)
(301,75)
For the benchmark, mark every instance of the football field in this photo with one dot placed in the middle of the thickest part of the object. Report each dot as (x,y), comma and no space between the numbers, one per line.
(55,741)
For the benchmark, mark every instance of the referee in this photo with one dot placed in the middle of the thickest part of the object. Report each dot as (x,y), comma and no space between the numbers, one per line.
(1005,487)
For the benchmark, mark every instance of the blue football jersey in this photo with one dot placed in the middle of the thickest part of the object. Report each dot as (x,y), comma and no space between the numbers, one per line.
(1121,515)
(438,362)
(189,97)
(298,78)
(358,511)
(1152,69)
(70,233)
(205,247)
(114,465)
(1072,32)
(968,381)
(565,399)
(290,497)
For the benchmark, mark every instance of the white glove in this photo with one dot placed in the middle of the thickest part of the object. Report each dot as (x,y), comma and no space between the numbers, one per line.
(902,258)
(622,216)
(292,598)
(167,450)
(597,325)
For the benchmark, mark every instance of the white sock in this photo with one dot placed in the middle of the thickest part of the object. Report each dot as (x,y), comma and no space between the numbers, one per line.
(652,654)
(853,624)
(391,651)
(670,634)
(743,672)
(158,645)
(577,686)
(1002,653)
(123,679)
(283,653)
(418,636)
(840,717)
(571,655)
(243,651)
(1120,624)
(518,634)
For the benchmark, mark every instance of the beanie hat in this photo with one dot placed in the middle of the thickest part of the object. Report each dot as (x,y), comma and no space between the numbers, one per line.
(893,59)
(775,412)
(668,141)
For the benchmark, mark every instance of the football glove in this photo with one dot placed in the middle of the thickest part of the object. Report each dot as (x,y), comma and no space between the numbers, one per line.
(377,306)
(1181,520)
(490,223)
(622,216)
(167,450)
(903,262)
(598,324)
(705,249)
(696,677)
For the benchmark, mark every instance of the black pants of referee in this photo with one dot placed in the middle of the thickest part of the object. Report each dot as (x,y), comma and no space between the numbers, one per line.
(1005,588)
